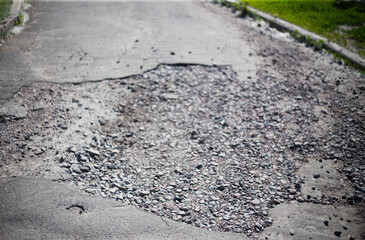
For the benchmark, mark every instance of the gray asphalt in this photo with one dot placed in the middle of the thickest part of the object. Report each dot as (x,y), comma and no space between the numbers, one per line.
(76,41)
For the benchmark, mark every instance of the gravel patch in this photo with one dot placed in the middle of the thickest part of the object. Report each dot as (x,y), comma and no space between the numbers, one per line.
(191,143)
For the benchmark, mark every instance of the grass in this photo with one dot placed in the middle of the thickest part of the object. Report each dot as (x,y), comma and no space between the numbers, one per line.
(357,33)
(19,20)
(340,21)
(239,6)
(4,8)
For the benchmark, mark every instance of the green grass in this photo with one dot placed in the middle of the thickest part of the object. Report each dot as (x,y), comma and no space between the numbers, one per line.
(357,33)
(323,17)
(4,8)
(19,20)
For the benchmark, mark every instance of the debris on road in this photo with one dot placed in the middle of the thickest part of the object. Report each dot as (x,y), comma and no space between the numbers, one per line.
(214,152)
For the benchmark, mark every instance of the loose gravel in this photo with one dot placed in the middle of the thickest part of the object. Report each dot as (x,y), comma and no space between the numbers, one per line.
(191,143)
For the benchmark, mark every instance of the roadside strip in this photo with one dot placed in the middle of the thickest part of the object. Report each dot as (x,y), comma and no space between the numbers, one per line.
(285,26)
(8,23)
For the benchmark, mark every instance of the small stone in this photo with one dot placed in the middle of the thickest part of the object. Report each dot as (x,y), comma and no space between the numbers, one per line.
(76,170)
(101,122)
(182,213)
(292,190)
(292,232)
(221,187)
(113,190)
(144,193)
(64,165)
(159,174)
(129,134)
(64,127)
(115,152)
(338,233)
(93,152)
(112,166)
(215,198)
(297,144)
(120,196)
(265,164)
(72,149)
(325,223)
(82,158)
(199,166)
(84,169)
(170,96)
(236,195)
(91,191)
(316,175)
(226,217)
(256,202)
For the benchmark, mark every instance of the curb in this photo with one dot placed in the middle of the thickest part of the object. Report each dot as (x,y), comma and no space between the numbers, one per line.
(8,23)
(282,25)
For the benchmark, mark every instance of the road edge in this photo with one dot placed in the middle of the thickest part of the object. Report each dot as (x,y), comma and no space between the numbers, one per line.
(283,25)
(9,22)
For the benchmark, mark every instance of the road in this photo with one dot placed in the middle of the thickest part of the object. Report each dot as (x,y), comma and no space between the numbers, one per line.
(296,115)
(77,41)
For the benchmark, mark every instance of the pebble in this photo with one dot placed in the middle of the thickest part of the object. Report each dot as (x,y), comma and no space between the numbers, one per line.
(93,152)
(182,213)
(292,190)
(170,96)
(338,233)
(76,169)
(84,169)
(144,193)
(316,175)
(64,127)
(64,165)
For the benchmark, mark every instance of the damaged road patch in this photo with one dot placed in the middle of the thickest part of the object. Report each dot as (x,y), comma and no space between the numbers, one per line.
(190,143)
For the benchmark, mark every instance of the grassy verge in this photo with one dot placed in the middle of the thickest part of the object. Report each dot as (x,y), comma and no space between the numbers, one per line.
(341,21)
(4,8)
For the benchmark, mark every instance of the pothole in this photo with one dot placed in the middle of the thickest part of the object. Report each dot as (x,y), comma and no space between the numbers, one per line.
(191,143)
